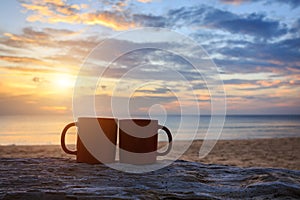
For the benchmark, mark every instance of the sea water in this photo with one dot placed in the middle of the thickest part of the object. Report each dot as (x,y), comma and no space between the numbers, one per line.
(41,130)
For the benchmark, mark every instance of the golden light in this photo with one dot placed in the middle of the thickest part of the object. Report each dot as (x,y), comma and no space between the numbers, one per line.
(64,81)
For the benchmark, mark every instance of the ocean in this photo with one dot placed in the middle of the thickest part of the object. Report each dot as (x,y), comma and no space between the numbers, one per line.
(45,130)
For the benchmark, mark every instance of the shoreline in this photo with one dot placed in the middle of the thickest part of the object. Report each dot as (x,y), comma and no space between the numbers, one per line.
(263,152)
(195,140)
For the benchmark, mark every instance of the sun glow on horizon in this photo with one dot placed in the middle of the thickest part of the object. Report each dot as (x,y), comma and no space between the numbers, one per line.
(64,81)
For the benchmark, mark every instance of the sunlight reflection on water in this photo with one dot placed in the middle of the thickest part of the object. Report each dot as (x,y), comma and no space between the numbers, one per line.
(29,130)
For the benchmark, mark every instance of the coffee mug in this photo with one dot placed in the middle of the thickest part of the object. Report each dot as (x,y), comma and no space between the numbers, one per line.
(138,141)
(100,134)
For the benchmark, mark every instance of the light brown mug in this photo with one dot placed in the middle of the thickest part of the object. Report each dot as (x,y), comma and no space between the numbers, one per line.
(138,140)
(88,128)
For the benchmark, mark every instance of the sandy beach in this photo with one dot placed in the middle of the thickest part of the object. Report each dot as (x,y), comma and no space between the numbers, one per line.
(237,169)
(275,153)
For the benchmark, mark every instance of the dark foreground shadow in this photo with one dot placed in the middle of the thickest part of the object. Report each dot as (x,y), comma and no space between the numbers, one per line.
(59,178)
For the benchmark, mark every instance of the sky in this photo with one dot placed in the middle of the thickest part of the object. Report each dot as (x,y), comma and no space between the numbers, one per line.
(255,46)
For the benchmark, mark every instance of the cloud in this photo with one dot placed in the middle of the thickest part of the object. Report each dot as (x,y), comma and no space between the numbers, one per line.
(281,54)
(238,81)
(151,20)
(187,15)
(296,27)
(109,19)
(155,91)
(137,105)
(16,38)
(235,2)
(48,47)
(254,85)
(29,70)
(273,47)
(46,37)
(32,104)
(147,63)
(144,1)
(253,24)
(262,104)
(257,25)
(24,60)
(60,11)
(51,8)
(291,3)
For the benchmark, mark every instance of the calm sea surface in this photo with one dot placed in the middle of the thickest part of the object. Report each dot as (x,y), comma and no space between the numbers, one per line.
(28,130)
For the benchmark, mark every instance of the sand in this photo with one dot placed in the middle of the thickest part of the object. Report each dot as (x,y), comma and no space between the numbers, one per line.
(45,172)
(275,153)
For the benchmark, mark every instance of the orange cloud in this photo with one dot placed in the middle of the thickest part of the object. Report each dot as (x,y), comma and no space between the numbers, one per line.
(47,37)
(234,2)
(57,11)
(56,2)
(204,97)
(144,1)
(107,19)
(14,59)
(29,70)
(58,109)
(28,37)
(59,14)
(18,38)
(295,70)
(40,9)
(268,83)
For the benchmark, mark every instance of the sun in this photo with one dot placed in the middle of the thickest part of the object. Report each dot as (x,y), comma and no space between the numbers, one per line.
(64,81)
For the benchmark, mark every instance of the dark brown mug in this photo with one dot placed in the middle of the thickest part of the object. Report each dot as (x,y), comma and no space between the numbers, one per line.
(99,134)
(138,141)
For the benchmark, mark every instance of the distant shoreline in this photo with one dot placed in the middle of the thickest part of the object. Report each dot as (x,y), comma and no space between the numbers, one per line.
(181,140)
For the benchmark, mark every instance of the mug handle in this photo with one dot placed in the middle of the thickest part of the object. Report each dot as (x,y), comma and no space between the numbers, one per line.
(62,139)
(168,132)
